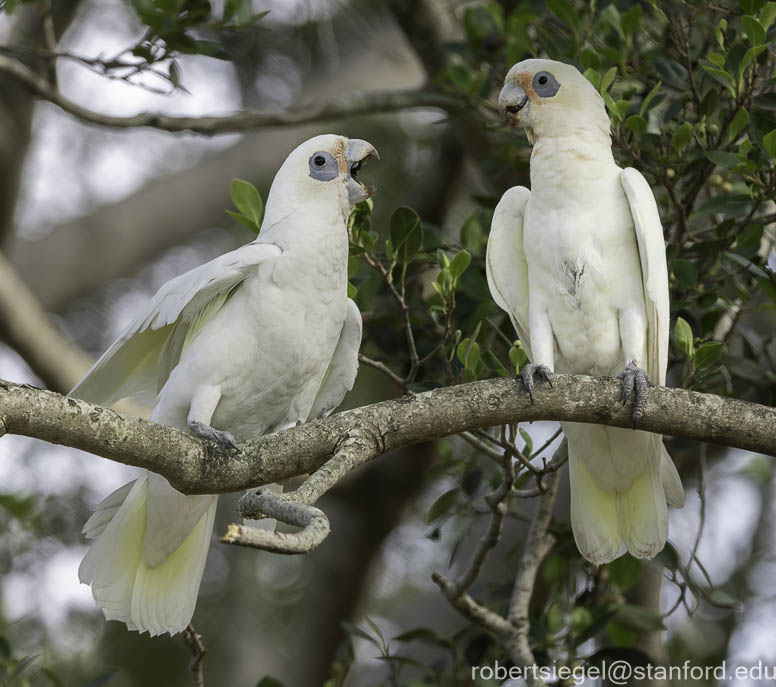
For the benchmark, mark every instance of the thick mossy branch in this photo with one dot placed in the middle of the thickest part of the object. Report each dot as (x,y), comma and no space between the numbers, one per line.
(196,467)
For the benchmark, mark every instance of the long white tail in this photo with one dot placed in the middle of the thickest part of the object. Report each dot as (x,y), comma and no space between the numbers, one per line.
(150,547)
(620,482)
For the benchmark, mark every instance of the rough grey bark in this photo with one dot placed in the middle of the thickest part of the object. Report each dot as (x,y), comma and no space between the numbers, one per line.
(202,467)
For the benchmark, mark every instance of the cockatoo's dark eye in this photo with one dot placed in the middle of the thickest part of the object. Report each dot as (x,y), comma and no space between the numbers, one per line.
(323,167)
(545,85)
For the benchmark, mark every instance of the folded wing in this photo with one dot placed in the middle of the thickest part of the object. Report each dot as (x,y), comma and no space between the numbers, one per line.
(142,357)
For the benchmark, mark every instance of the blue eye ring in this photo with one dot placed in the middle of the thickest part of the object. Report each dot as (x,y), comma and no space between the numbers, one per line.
(323,166)
(545,85)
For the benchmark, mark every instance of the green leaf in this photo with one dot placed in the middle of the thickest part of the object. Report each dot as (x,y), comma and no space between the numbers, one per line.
(593,77)
(608,79)
(424,635)
(637,124)
(723,159)
(517,356)
(724,77)
(684,337)
(625,571)
(554,569)
(685,273)
(769,144)
(565,12)
(708,353)
(768,14)
(268,681)
(723,205)
(494,364)
(681,137)
(637,619)
(740,121)
(768,286)
(406,233)
(247,199)
(528,448)
(648,99)
(630,20)
(352,290)
(242,219)
(668,558)
(754,30)
(442,505)
(459,263)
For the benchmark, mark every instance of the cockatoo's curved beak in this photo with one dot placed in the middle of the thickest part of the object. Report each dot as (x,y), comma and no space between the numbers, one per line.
(357,152)
(511,100)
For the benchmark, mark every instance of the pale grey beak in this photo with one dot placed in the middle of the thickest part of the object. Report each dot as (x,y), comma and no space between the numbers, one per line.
(358,150)
(357,153)
(511,100)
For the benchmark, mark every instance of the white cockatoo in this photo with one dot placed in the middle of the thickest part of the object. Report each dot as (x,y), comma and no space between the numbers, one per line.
(252,342)
(579,264)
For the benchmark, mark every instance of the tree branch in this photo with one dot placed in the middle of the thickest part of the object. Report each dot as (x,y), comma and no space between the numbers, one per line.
(263,503)
(537,546)
(201,467)
(511,631)
(349,105)
(28,329)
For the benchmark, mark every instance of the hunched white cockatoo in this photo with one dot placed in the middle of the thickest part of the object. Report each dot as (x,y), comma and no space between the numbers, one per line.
(254,341)
(578,263)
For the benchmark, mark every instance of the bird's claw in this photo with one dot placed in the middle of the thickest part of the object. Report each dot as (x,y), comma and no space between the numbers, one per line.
(532,370)
(634,382)
(217,436)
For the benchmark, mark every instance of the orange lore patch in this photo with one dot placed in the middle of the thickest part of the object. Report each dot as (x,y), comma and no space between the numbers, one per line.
(524,81)
(339,154)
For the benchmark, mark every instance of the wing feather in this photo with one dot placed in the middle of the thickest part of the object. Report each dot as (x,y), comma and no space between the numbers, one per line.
(654,270)
(341,374)
(505,262)
(138,362)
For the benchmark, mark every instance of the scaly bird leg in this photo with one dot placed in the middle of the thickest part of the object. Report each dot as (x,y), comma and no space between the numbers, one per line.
(203,405)
(217,436)
(634,382)
(532,370)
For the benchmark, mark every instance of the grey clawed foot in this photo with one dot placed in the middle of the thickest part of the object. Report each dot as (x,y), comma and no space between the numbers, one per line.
(532,370)
(217,436)
(634,382)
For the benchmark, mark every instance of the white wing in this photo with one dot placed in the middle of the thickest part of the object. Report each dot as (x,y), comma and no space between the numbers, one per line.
(505,263)
(138,363)
(341,375)
(654,271)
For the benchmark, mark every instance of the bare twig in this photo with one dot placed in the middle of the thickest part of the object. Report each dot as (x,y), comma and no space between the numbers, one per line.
(387,371)
(496,503)
(296,508)
(512,631)
(198,651)
(537,546)
(348,105)
(263,503)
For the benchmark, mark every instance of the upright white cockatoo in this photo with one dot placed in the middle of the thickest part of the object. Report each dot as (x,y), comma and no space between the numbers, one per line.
(578,263)
(251,342)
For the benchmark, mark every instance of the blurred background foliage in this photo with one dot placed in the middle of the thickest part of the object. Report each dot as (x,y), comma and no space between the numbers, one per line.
(94,220)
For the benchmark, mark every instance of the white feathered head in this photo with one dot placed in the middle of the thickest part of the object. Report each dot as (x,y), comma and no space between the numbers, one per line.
(549,98)
(325,166)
